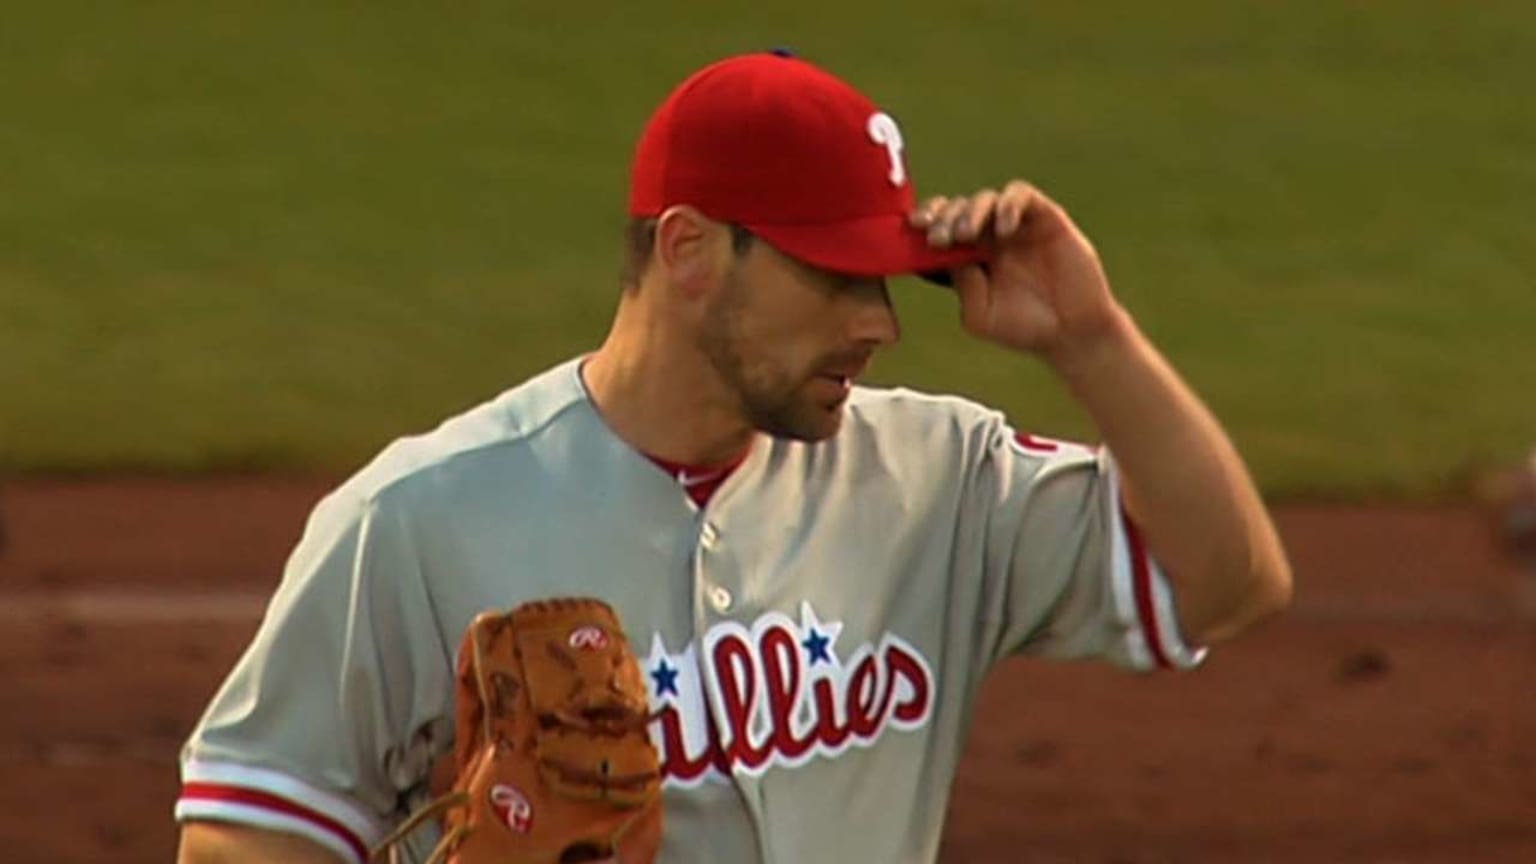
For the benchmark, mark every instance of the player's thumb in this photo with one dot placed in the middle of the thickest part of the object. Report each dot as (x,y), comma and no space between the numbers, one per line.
(974,290)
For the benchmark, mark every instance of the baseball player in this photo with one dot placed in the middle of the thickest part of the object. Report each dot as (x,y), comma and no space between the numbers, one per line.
(815,576)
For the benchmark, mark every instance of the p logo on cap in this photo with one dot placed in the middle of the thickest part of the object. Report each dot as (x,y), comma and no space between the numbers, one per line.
(884,131)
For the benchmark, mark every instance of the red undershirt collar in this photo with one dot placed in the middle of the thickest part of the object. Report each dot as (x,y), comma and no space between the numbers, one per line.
(700,481)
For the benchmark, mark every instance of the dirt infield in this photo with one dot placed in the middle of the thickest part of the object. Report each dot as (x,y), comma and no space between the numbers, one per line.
(1389,718)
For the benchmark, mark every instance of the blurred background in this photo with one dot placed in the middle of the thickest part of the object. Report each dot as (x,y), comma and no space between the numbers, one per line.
(243,245)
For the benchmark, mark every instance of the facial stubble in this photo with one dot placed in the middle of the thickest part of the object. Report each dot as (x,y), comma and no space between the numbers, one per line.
(771,399)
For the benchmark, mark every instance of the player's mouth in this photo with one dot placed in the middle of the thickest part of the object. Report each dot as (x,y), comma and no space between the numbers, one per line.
(841,385)
(843,376)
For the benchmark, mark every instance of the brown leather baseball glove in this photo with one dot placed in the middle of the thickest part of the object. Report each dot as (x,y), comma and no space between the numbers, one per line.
(554,763)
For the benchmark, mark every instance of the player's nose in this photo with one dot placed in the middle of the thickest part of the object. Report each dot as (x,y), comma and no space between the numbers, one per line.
(874,319)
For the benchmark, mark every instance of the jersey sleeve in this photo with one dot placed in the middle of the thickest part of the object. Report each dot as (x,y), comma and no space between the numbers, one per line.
(1066,573)
(331,718)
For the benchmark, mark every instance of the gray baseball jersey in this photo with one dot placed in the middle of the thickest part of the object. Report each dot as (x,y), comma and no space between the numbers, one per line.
(814,636)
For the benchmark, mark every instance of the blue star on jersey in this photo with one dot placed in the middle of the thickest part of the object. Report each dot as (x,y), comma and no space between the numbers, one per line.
(665,676)
(816,647)
(820,639)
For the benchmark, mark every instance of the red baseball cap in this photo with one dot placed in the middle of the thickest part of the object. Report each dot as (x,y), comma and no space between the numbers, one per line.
(795,155)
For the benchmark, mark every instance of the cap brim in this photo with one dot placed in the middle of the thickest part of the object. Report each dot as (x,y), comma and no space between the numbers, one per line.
(875,246)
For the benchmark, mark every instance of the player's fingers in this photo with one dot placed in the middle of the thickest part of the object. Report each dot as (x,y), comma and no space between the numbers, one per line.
(978,218)
(1044,219)
(1011,207)
(926,212)
(941,231)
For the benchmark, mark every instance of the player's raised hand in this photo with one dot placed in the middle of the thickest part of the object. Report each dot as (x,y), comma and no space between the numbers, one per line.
(1044,291)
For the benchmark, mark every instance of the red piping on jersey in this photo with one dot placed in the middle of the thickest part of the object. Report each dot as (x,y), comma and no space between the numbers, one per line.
(266,800)
(1039,445)
(1141,583)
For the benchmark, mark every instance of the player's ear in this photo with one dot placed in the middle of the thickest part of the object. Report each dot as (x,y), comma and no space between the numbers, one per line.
(687,248)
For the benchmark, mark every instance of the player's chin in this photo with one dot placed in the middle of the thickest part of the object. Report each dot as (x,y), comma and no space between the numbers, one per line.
(810,421)
(827,424)
(823,418)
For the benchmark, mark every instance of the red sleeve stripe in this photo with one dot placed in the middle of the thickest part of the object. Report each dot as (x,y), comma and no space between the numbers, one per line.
(1141,585)
(1035,444)
(268,801)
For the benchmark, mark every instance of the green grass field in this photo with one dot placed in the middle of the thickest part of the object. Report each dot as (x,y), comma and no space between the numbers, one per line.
(275,235)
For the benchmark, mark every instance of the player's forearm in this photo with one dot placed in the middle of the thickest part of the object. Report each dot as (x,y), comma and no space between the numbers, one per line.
(224,843)
(1184,483)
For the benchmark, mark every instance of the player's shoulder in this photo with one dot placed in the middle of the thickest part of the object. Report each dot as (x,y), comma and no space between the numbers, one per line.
(918,429)
(498,429)
(902,410)
(926,424)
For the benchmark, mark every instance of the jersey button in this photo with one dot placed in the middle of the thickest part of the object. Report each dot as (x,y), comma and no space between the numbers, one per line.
(709,535)
(720,598)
